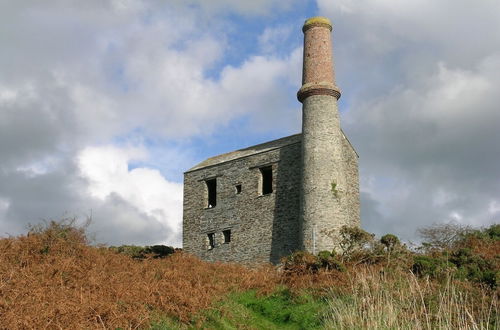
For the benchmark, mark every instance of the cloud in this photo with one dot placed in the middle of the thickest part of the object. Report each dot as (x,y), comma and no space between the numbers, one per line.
(135,206)
(274,38)
(122,190)
(421,108)
(99,100)
(100,103)
(106,170)
(255,7)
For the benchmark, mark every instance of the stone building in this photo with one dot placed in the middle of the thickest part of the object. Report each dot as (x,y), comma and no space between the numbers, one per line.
(263,202)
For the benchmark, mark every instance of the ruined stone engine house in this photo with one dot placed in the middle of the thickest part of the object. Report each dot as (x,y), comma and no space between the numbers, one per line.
(264,202)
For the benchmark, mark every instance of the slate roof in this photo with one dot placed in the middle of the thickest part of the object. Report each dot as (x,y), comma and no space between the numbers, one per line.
(249,151)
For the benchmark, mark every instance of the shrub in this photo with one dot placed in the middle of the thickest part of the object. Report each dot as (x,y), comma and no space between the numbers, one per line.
(435,267)
(473,267)
(159,251)
(442,236)
(133,251)
(353,240)
(328,260)
(471,254)
(494,232)
(302,262)
(390,242)
(142,252)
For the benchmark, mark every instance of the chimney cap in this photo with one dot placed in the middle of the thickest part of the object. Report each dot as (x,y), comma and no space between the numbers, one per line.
(317,21)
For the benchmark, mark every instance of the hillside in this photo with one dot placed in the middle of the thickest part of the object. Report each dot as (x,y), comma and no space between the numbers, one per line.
(53,278)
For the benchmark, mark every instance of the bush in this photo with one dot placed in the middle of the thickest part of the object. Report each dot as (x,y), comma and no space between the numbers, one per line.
(390,242)
(328,260)
(353,240)
(301,262)
(62,237)
(435,267)
(494,232)
(143,252)
(472,253)
(489,235)
(442,236)
(159,251)
(473,267)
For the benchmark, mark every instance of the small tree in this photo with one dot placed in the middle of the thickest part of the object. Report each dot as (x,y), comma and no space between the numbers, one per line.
(353,240)
(390,242)
(442,236)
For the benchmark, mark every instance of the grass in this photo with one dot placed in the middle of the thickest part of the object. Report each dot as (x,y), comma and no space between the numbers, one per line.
(401,301)
(373,300)
(52,278)
(248,310)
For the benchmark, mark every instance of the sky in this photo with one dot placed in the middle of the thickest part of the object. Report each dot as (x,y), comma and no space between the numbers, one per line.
(104,105)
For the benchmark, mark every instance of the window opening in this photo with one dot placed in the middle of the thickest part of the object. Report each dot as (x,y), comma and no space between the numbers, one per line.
(211,241)
(227,235)
(212,193)
(267,180)
(238,189)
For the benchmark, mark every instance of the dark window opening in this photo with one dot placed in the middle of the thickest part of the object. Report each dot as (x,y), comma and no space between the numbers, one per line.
(227,235)
(238,189)
(211,241)
(267,180)
(212,192)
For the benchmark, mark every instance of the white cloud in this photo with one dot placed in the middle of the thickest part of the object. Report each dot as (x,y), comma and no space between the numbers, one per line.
(494,207)
(243,7)
(273,38)
(106,170)
(456,216)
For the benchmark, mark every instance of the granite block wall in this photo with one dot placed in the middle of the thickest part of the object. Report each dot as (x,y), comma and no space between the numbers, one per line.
(264,228)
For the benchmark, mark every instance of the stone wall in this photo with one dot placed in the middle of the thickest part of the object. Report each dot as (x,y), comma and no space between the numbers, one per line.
(264,228)
(351,173)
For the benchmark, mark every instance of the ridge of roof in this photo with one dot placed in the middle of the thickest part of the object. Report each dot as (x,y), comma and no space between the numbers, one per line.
(248,151)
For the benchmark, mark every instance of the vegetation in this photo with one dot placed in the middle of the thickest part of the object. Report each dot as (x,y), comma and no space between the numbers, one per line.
(143,252)
(53,278)
(392,300)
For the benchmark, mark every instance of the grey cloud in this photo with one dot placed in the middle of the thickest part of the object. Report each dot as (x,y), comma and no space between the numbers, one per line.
(75,74)
(255,7)
(421,108)
(116,222)
(62,193)
(33,123)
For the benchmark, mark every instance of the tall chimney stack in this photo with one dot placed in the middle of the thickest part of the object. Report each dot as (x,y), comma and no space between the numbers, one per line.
(323,208)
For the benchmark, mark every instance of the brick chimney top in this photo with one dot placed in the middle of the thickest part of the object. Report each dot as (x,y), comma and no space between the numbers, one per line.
(317,21)
(318,77)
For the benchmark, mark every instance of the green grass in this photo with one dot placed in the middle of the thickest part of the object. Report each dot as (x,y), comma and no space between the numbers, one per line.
(247,310)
